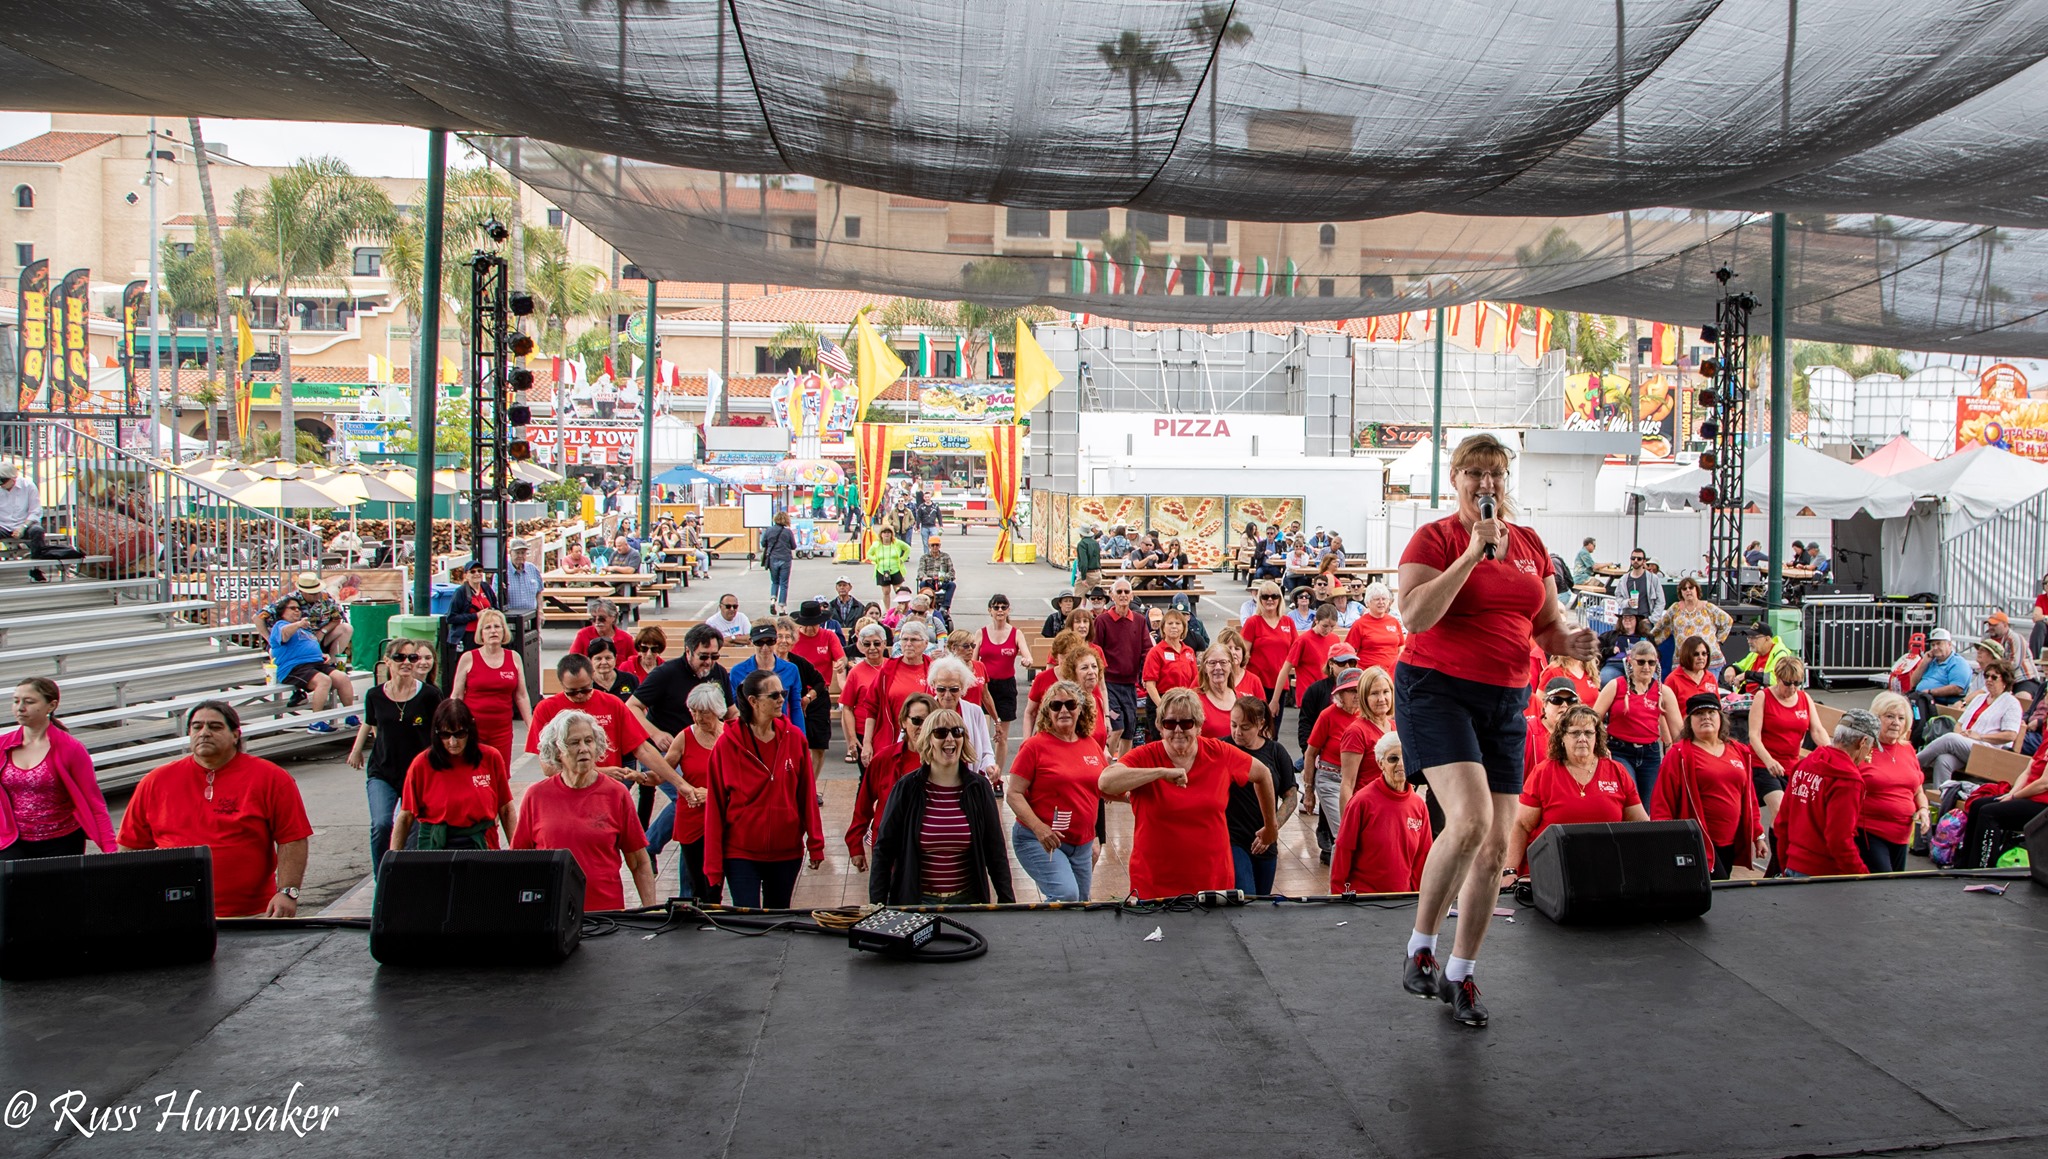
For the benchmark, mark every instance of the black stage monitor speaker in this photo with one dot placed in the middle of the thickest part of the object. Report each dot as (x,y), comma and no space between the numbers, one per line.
(1634,871)
(110,911)
(2037,848)
(477,907)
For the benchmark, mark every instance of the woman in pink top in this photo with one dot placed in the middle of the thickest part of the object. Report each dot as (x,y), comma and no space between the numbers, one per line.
(50,801)
(490,680)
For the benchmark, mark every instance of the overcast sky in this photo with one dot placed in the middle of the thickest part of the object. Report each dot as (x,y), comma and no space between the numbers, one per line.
(372,150)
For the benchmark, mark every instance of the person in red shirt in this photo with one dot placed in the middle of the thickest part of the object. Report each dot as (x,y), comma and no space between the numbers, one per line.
(456,789)
(1269,641)
(624,737)
(1360,739)
(762,815)
(1218,693)
(1322,758)
(1384,839)
(1309,655)
(1894,797)
(872,641)
(1706,778)
(1476,593)
(1781,721)
(1125,636)
(604,621)
(899,677)
(245,809)
(1581,675)
(1172,662)
(1559,693)
(1377,636)
(649,643)
(1815,829)
(1179,788)
(821,648)
(960,646)
(684,816)
(998,649)
(1692,670)
(1640,713)
(898,756)
(581,806)
(1052,791)
(1577,784)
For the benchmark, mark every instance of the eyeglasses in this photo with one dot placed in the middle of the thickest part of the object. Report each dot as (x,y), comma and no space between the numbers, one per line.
(1640,663)
(778,694)
(943,688)
(948,731)
(647,648)
(1561,698)
(1581,732)
(1063,705)
(999,607)
(1179,724)
(578,693)
(1268,599)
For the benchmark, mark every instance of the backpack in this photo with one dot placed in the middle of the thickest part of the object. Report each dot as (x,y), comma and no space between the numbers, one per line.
(1948,832)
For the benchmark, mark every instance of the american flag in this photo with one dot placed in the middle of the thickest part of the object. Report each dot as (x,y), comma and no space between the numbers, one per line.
(832,356)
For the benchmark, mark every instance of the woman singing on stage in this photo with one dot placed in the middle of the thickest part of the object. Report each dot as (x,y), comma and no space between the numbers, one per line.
(1471,619)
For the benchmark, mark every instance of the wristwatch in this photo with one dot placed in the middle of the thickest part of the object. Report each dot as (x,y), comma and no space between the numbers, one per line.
(290,891)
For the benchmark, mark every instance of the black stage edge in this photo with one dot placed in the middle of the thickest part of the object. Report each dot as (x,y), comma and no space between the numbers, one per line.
(1829,1018)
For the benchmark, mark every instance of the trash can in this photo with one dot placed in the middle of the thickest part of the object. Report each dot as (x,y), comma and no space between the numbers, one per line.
(370,620)
(440,596)
(1789,627)
(425,629)
(525,643)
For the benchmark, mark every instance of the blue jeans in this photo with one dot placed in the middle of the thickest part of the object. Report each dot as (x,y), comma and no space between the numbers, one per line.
(778,582)
(1255,870)
(1063,874)
(663,830)
(383,803)
(1612,670)
(1642,761)
(761,884)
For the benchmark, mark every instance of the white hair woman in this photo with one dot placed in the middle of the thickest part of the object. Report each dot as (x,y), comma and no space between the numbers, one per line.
(899,677)
(1383,840)
(1377,636)
(950,678)
(583,807)
(683,818)
(1894,799)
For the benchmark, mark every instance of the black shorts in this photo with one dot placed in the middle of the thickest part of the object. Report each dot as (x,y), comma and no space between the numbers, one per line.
(1004,694)
(302,676)
(1123,710)
(1446,720)
(889,579)
(1766,782)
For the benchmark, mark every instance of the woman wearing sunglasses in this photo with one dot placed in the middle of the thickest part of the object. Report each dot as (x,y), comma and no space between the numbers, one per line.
(896,756)
(648,645)
(397,726)
(1179,790)
(1641,714)
(1052,792)
(941,837)
(457,790)
(761,815)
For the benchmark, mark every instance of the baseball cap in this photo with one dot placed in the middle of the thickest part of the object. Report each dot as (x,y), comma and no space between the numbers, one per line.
(1762,629)
(1349,678)
(842,580)
(762,634)
(1344,652)
(1701,701)
(1999,618)
(1937,634)
(9,471)
(1560,684)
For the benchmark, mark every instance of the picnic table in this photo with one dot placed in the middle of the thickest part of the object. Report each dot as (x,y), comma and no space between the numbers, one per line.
(1194,590)
(563,593)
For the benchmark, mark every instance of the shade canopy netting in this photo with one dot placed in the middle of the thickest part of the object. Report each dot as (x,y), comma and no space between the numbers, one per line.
(1879,125)
(1826,486)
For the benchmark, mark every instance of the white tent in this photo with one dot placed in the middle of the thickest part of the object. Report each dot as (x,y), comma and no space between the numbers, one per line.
(1827,486)
(1953,496)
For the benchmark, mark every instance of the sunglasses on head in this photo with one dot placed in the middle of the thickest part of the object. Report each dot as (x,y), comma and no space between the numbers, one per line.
(1179,724)
(947,731)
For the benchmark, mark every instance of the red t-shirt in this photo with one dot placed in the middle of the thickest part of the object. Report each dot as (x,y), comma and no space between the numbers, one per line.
(1535,745)
(1101,731)
(975,691)
(1171,666)
(1634,715)
(1064,776)
(1309,654)
(622,731)
(622,644)
(999,660)
(1361,735)
(1270,644)
(1182,844)
(695,768)
(823,651)
(1684,687)
(1216,721)
(255,808)
(1785,726)
(856,692)
(1377,640)
(1045,679)
(1484,635)
(1551,788)
(1718,792)
(1588,687)
(2041,603)
(890,687)
(596,824)
(1892,793)
(1383,841)
(458,796)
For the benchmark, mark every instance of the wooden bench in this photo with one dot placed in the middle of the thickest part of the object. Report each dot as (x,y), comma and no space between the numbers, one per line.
(1995,764)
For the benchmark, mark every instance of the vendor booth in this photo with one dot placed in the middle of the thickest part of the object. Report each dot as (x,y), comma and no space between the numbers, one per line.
(1000,445)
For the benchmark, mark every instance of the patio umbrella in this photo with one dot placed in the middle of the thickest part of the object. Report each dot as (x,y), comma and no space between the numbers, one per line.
(682,475)
(533,472)
(211,467)
(288,494)
(366,485)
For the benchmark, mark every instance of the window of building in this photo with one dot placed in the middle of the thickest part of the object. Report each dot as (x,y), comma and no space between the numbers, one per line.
(1155,226)
(24,253)
(852,227)
(1375,286)
(369,261)
(765,364)
(1326,288)
(556,217)
(184,248)
(632,272)
(262,313)
(1207,229)
(803,234)
(1326,236)
(24,197)
(1087,224)
(1028,222)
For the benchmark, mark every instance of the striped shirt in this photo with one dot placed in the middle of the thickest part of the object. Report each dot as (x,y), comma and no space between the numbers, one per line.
(942,844)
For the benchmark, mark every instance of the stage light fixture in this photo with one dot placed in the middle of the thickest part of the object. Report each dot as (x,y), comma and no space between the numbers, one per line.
(497,231)
(1710,334)
(1723,274)
(1710,430)
(1708,399)
(1709,496)
(1709,461)
(520,345)
(522,491)
(518,450)
(521,303)
(518,415)
(519,378)
(1709,367)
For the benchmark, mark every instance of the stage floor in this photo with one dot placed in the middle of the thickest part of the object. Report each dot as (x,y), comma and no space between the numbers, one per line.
(1822,1018)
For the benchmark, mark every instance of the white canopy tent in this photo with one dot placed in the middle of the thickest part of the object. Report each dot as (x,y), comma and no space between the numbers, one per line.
(1826,486)
(1952,497)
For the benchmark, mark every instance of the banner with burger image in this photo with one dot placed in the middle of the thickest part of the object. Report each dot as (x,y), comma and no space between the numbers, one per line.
(2001,415)
(1599,402)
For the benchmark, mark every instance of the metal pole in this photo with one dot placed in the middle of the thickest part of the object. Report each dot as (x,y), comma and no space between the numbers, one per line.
(156,354)
(647,417)
(1781,409)
(423,382)
(1436,419)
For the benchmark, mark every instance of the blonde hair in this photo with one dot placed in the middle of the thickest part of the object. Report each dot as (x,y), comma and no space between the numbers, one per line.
(1789,670)
(1374,676)
(1481,451)
(1215,650)
(493,616)
(935,720)
(1184,699)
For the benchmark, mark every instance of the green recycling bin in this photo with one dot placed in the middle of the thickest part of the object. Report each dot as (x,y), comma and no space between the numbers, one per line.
(1787,624)
(370,620)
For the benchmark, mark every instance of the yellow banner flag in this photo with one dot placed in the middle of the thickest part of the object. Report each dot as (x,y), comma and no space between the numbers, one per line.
(878,367)
(245,342)
(1035,373)
(447,369)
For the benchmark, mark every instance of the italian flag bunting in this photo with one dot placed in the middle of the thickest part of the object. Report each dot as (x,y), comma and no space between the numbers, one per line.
(1172,274)
(1202,283)
(995,364)
(1138,278)
(1236,278)
(1077,274)
(924,356)
(1290,283)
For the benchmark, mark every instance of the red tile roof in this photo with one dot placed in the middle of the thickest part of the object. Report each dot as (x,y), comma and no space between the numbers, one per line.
(744,203)
(832,307)
(695,291)
(55,146)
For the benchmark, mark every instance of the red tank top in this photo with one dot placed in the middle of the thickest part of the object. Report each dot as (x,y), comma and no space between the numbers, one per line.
(1633,715)
(1784,726)
(1000,660)
(490,691)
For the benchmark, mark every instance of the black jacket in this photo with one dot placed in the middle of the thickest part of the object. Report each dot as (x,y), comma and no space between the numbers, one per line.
(462,614)
(892,875)
(818,713)
(1311,701)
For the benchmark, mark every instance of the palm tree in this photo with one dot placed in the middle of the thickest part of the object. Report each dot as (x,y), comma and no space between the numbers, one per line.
(1213,26)
(309,213)
(218,249)
(801,337)
(563,291)
(1137,60)
(188,287)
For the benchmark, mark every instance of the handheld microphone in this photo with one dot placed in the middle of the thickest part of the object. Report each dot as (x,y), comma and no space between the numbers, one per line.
(1486,512)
